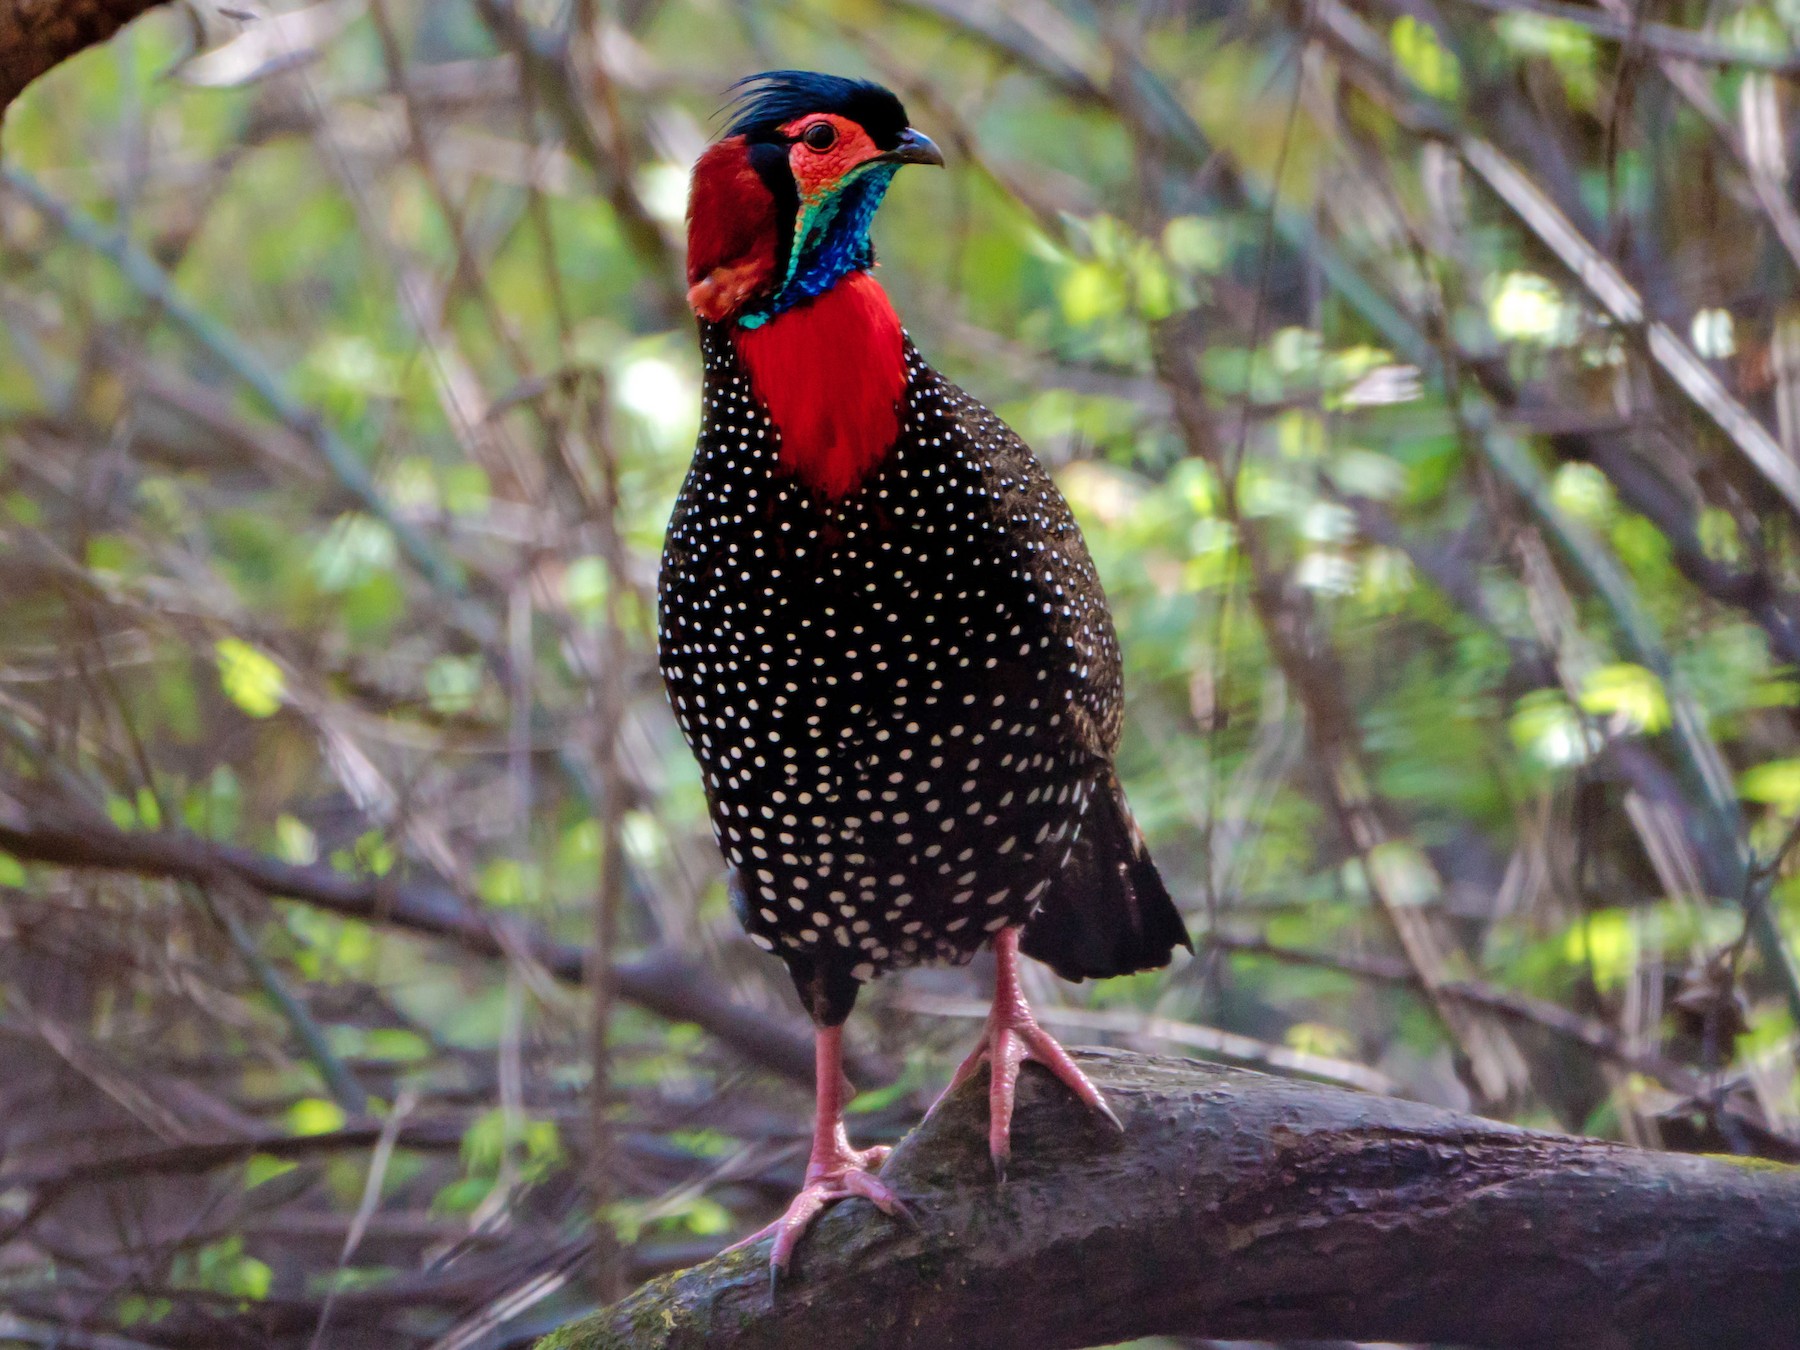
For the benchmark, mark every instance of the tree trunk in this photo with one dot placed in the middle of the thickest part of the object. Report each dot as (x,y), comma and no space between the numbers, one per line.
(38,34)
(1241,1206)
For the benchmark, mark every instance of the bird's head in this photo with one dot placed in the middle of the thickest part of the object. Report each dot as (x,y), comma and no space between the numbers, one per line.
(780,207)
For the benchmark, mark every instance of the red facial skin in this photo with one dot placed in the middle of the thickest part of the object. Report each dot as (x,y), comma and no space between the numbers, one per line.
(831,371)
(817,171)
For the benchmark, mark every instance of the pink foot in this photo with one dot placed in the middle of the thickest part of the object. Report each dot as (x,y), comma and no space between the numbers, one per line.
(1012,1036)
(835,1171)
(841,1174)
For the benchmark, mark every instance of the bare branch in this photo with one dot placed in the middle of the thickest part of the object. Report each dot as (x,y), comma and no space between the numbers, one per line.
(1664,39)
(665,984)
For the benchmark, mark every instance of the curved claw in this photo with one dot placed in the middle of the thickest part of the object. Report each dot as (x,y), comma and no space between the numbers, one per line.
(845,1178)
(1012,1036)
(835,1171)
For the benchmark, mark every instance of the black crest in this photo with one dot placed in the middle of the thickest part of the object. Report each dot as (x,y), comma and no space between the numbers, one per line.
(762,103)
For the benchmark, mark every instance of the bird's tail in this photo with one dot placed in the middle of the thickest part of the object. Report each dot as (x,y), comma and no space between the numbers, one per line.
(1107,912)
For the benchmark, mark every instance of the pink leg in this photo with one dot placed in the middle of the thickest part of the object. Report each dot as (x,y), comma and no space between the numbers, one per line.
(836,1171)
(1011,1037)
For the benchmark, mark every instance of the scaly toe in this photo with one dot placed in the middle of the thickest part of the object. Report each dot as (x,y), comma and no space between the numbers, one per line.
(874,1190)
(853,1182)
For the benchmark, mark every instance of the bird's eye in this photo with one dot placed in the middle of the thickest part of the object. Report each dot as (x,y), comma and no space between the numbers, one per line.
(819,136)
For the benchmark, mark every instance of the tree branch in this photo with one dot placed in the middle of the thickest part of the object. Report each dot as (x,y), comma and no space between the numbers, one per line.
(664,984)
(1235,1205)
(38,34)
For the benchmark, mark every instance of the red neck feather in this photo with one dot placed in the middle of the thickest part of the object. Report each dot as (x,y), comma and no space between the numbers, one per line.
(832,373)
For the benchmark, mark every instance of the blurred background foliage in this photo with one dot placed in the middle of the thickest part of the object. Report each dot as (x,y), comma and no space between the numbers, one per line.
(1426,376)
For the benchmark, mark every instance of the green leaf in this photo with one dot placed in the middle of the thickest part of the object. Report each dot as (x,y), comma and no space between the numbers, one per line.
(315,1115)
(1525,307)
(249,678)
(137,1309)
(452,682)
(1632,696)
(396,1045)
(506,883)
(585,586)
(1775,783)
(1195,243)
(265,1167)
(1547,726)
(1426,61)
(295,841)
(354,547)
(1607,942)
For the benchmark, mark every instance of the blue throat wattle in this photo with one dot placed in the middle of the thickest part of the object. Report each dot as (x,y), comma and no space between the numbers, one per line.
(831,240)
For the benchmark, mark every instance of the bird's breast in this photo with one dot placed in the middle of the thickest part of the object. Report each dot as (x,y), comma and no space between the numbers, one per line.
(832,374)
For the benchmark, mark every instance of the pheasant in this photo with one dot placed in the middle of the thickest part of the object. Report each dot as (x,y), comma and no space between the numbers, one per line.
(881,632)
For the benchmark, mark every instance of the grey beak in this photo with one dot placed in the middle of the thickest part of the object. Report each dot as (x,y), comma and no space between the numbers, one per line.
(915,148)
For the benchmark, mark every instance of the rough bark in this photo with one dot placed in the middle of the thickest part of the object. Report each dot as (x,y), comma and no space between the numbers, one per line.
(38,34)
(1236,1205)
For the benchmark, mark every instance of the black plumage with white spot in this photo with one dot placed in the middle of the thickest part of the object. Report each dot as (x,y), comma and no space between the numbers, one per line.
(905,703)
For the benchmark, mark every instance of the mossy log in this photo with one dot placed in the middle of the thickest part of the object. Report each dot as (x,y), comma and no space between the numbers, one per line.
(1236,1205)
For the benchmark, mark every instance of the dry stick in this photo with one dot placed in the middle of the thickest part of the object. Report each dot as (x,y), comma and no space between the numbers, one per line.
(439,568)
(1665,39)
(1228,1046)
(232,356)
(601,500)
(339,1080)
(468,271)
(465,404)
(545,58)
(699,1001)
(56,1336)
(1170,121)
(371,1200)
(1346,32)
(436,1132)
(135,1100)
(1755,591)
(1771,192)
(1533,666)
(597,485)
(1588,1032)
(663,983)
(1052,48)
(1700,758)
(609,894)
(1286,622)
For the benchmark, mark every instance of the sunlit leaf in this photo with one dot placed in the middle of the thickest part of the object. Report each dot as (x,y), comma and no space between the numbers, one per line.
(1774,782)
(1546,726)
(1429,64)
(1630,695)
(249,678)
(1524,307)
(265,1167)
(315,1115)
